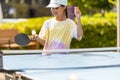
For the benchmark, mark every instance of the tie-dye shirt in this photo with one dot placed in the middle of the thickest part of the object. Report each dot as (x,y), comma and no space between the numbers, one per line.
(58,34)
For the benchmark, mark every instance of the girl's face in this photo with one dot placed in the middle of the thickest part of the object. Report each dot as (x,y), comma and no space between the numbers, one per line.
(58,11)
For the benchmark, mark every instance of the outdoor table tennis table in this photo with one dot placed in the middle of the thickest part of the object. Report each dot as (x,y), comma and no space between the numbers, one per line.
(75,66)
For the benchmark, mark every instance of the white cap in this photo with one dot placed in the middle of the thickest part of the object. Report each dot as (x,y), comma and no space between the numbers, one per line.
(57,3)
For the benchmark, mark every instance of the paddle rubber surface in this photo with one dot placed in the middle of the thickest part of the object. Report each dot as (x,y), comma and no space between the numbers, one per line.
(22,39)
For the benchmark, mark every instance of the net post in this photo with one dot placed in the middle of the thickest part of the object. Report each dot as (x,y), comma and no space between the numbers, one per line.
(118,24)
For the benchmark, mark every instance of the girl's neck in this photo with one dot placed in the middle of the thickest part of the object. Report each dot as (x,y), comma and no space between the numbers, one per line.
(61,18)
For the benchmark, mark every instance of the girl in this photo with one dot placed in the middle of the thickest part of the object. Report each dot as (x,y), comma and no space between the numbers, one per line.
(57,32)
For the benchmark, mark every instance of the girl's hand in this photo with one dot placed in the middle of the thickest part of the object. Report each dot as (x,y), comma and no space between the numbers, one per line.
(34,35)
(77,12)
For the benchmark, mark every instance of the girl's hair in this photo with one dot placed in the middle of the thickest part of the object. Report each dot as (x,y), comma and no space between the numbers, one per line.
(65,10)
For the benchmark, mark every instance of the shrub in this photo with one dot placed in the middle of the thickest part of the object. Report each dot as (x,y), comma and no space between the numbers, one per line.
(98,31)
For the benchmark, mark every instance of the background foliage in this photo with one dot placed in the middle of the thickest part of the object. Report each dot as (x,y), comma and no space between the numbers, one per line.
(38,9)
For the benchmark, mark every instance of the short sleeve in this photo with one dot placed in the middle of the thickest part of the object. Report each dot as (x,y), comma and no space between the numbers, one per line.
(43,31)
(74,30)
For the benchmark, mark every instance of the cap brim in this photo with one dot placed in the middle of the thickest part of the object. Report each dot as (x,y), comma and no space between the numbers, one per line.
(52,6)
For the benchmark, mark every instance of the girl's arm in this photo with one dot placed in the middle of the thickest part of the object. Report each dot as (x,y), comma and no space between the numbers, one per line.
(79,26)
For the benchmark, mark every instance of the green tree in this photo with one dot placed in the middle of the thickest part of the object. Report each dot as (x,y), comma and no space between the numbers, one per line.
(113,1)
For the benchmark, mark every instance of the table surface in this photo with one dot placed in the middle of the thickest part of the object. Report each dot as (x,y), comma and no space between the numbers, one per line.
(83,66)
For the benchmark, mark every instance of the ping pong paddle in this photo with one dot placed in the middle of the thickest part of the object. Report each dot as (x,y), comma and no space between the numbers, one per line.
(70,12)
(22,39)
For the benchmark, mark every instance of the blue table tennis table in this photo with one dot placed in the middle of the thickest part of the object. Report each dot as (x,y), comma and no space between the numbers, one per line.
(80,66)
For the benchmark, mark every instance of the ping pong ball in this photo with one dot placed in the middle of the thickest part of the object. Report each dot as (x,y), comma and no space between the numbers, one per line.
(33,32)
(73,77)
